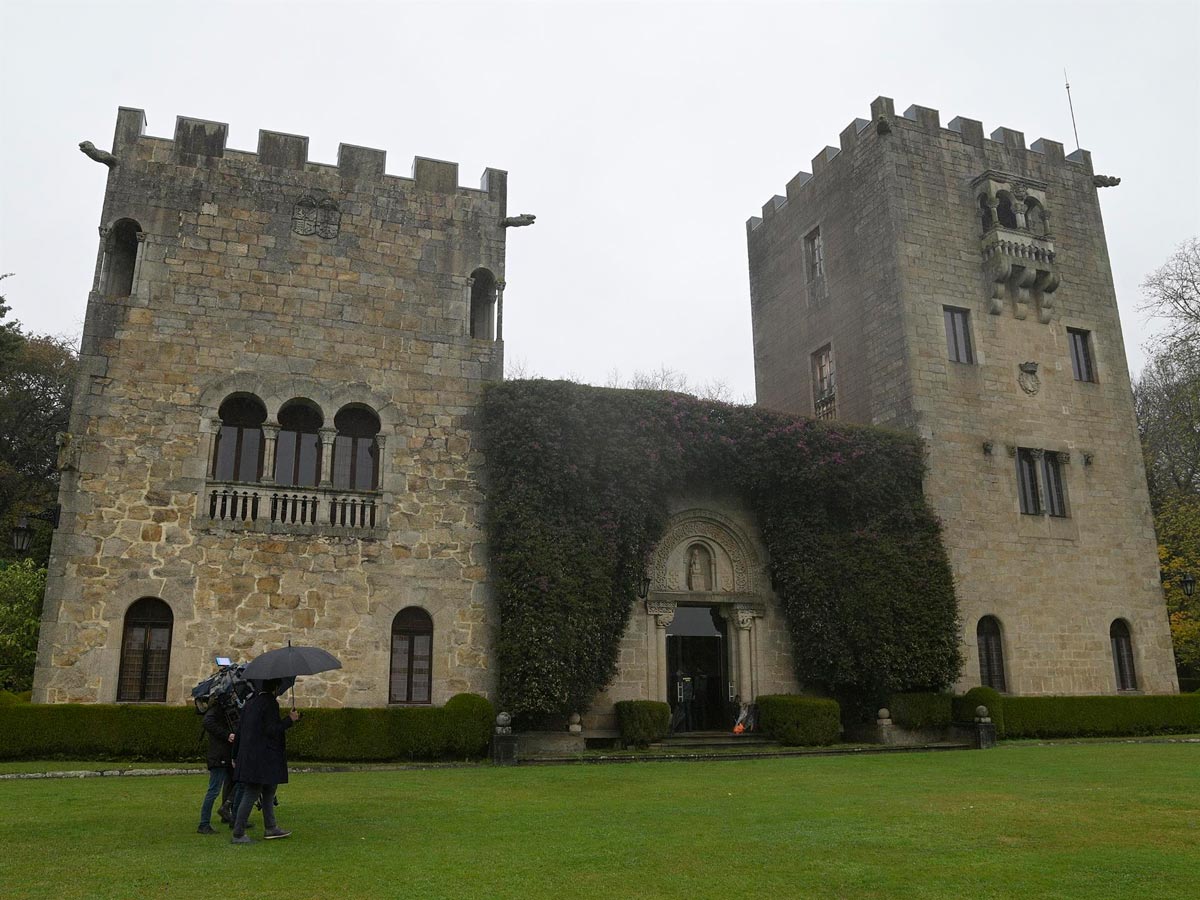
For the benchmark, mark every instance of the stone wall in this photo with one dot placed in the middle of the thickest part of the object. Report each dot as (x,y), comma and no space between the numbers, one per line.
(266,274)
(898,206)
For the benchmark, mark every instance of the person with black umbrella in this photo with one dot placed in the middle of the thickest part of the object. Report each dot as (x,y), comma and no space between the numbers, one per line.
(261,764)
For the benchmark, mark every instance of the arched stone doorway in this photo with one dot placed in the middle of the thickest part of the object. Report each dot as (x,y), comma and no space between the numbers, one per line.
(703,608)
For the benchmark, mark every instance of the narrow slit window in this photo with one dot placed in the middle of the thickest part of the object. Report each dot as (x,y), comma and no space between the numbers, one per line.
(1122,650)
(1052,478)
(991,654)
(1027,483)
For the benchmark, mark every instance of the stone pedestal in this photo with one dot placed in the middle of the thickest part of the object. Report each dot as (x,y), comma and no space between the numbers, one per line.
(504,749)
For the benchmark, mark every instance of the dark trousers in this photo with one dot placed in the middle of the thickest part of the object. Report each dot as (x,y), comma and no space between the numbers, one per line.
(250,793)
(216,781)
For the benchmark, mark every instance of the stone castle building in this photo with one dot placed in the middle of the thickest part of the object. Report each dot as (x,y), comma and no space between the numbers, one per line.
(937,280)
(274,434)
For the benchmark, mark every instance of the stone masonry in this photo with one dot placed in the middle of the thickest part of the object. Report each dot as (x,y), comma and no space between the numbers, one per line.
(224,273)
(908,218)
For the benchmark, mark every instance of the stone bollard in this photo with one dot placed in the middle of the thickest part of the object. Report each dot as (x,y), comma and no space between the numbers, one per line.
(576,724)
(885,732)
(504,742)
(985,729)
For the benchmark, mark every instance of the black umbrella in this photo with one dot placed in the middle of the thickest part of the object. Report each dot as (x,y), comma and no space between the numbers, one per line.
(288,662)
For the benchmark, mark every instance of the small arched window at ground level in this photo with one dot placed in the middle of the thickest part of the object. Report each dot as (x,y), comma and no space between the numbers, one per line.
(411,678)
(1122,651)
(145,652)
(483,305)
(120,258)
(298,447)
(238,454)
(991,654)
(355,451)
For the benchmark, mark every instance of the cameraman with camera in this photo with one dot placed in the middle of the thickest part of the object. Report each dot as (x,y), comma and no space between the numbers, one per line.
(220,765)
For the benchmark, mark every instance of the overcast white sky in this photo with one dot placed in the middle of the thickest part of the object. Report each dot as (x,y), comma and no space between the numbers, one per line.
(642,135)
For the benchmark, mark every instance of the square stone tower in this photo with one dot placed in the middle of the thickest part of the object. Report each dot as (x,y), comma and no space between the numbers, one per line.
(937,280)
(272,436)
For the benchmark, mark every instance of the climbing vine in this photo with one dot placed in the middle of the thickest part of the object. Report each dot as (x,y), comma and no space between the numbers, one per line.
(579,480)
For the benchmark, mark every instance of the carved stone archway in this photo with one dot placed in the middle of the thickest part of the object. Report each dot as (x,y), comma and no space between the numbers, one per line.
(734,588)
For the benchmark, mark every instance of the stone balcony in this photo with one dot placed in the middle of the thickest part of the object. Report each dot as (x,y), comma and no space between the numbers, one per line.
(1023,263)
(271,509)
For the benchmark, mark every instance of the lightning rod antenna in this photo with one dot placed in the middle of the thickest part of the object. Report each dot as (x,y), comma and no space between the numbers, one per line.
(1072,106)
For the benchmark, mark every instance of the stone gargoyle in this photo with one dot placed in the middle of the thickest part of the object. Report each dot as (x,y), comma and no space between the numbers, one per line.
(518,221)
(91,151)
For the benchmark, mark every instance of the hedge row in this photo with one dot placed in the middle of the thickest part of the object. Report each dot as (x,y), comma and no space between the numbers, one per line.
(921,712)
(799,721)
(460,729)
(1043,717)
(642,722)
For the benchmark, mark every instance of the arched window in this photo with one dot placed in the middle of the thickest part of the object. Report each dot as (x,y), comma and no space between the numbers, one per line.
(355,453)
(991,654)
(121,258)
(985,214)
(145,652)
(1035,217)
(1005,212)
(412,657)
(298,448)
(238,454)
(1122,651)
(483,305)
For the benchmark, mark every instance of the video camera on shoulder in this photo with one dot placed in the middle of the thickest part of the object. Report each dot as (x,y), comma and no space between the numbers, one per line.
(227,689)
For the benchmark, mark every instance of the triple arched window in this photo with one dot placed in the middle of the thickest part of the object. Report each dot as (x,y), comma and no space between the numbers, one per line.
(297,450)
(145,652)
(411,678)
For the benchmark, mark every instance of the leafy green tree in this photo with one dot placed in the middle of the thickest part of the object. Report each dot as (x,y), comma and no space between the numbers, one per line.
(22,585)
(37,376)
(1178,525)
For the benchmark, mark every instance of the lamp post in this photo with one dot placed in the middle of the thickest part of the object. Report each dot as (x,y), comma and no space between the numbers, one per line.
(1189,584)
(22,533)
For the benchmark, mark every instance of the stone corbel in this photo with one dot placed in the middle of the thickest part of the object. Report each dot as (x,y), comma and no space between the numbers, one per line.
(999,270)
(1045,285)
(1022,289)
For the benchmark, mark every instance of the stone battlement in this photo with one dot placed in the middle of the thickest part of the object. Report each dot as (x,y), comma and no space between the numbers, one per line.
(197,140)
(918,119)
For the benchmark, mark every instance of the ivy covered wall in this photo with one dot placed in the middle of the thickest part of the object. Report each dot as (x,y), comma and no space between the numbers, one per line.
(578,483)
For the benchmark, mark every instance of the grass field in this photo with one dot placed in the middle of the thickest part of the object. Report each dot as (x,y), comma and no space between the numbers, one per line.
(1101,820)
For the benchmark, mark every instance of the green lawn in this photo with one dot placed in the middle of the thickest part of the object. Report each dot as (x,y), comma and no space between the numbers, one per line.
(1102,820)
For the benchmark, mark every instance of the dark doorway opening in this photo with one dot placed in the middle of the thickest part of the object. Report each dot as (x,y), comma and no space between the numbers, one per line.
(698,670)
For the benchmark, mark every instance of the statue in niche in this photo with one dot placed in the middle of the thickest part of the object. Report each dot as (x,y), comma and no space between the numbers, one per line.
(699,571)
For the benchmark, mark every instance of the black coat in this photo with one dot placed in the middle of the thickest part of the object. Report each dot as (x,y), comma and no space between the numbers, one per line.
(262,749)
(220,750)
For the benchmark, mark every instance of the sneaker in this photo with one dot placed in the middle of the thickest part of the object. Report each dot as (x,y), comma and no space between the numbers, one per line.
(244,839)
(206,829)
(272,833)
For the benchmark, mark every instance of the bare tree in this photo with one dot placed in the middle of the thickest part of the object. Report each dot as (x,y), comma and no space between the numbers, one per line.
(665,378)
(1167,400)
(1173,292)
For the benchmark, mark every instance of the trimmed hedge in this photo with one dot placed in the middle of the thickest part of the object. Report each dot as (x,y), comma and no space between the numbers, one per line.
(169,733)
(799,721)
(1044,717)
(642,722)
(921,712)
(964,707)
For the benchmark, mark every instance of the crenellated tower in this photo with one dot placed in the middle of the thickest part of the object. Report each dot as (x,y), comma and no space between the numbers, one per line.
(943,281)
(273,431)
